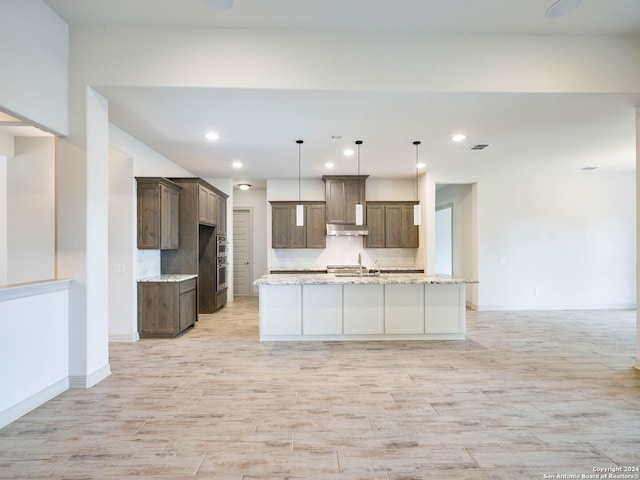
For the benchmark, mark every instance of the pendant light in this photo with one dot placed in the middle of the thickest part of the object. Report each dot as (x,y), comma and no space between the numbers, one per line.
(417,210)
(359,210)
(299,207)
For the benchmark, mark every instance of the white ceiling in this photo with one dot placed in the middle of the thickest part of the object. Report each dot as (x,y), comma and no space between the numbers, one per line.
(259,127)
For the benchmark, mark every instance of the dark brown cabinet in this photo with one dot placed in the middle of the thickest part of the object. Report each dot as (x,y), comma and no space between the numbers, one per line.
(285,233)
(212,209)
(166,308)
(158,202)
(391,225)
(207,206)
(343,192)
(199,224)
(221,217)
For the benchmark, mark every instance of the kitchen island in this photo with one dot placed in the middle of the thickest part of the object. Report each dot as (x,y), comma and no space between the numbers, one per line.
(406,306)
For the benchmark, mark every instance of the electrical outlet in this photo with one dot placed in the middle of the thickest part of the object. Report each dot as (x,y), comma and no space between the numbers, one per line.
(118,268)
(502,260)
(536,291)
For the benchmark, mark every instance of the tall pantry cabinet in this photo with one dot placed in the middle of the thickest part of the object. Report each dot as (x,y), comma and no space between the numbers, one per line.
(200,221)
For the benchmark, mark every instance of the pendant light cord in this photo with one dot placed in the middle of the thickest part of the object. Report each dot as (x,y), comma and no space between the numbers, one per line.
(299,142)
(416,143)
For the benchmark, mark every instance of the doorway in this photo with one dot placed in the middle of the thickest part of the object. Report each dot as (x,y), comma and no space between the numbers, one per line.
(456,238)
(242,252)
(444,240)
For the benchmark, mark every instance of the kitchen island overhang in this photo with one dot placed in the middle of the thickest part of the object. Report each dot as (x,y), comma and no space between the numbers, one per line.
(321,307)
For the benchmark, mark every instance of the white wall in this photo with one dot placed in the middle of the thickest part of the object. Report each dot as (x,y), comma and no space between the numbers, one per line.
(35,64)
(6,145)
(122,235)
(353,60)
(570,235)
(34,346)
(3,220)
(31,210)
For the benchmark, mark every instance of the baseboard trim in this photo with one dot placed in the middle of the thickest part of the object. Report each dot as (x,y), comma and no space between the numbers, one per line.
(88,381)
(16,411)
(124,338)
(637,364)
(496,308)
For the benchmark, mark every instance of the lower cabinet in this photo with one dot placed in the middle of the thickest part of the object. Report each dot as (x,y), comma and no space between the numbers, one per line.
(166,308)
(362,311)
(322,309)
(404,308)
(445,309)
(281,309)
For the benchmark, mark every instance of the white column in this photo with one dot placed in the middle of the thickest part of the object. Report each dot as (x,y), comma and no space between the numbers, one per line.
(637,364)
(82,237)
(97,232)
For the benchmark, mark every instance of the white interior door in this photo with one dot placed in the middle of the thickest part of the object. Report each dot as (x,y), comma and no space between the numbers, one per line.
(242,252)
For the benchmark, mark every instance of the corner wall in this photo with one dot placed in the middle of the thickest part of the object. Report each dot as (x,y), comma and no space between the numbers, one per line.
(31,210)
(35,64)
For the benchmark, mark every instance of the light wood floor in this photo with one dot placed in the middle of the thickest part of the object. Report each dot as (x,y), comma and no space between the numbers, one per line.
(528,394)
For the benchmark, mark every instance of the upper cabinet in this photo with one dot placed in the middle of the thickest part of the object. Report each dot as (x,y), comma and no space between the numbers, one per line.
(221,217)
(285,233)
(207,206)
(391,225)
(158,213)
(343,192)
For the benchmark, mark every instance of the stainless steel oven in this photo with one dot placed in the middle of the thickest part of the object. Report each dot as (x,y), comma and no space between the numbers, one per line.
(221,246)
(221,274)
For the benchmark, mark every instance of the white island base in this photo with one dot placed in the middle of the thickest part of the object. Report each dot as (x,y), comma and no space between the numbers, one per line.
(362,311)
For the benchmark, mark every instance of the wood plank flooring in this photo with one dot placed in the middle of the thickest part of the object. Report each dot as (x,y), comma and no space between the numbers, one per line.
(528,394)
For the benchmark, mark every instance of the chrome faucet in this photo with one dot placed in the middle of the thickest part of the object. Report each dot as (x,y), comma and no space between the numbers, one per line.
(360,264)
(378,265)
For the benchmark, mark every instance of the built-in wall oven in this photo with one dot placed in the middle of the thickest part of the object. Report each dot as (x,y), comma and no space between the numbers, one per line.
(221,267)
(221,274)
(221,246)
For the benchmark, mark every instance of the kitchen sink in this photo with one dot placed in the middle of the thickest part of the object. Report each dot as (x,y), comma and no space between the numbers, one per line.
(365,274)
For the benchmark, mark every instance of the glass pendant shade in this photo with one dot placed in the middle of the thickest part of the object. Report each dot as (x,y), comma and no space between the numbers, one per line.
(299,215)
(359,211)
(417,211)
(359,215)
(299,207)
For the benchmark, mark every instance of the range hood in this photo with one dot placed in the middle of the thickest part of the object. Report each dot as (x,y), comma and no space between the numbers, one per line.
(346,230)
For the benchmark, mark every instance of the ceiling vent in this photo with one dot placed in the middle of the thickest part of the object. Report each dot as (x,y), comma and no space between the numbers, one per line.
(480,146)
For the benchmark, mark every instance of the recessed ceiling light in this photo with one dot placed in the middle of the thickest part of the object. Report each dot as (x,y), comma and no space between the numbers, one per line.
(213,136)
(244,186)
(348,152)
(237,164)
(336,137)
(458,137)
(329,165)
(420,165)
(589,168)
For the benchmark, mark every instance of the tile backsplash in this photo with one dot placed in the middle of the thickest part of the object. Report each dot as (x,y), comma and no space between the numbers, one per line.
(343,251)
(148,263)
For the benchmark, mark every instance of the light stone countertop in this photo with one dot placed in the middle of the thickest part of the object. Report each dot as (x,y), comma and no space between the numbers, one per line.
(169,277)
(383,279)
